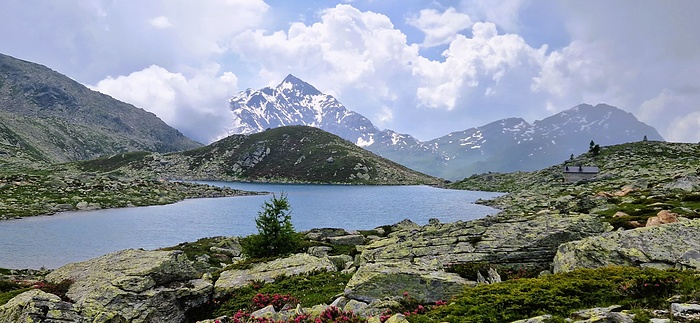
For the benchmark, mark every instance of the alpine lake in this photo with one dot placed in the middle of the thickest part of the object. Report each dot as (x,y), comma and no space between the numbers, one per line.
(52,241)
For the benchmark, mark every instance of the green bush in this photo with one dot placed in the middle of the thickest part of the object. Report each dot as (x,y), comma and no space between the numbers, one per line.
(310,290)
(561,294)
(276,235)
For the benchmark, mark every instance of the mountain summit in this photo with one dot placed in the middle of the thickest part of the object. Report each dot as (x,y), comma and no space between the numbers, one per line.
(295,102)
(506,145)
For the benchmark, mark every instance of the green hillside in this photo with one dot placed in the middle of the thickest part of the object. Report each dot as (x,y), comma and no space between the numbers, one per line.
(286,154)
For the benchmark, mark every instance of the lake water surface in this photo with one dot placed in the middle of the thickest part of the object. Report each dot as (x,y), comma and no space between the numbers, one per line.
(52,241)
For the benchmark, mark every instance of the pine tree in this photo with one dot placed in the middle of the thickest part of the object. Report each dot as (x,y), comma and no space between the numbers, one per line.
(276,235)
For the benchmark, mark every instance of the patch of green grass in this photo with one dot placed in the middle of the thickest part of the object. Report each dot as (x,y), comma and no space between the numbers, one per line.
(7,296)
(561,294)
(310,290)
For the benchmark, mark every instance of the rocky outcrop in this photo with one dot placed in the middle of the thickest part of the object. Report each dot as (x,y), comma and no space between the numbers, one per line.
(427,283)
(675,245)
(686,183)
(134,286)
(36,306)
(523,240)
(297,264)
(412,259)
(611,314)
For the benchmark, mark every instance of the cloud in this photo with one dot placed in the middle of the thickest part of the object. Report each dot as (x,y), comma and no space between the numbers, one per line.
(160,22)
(197,105)
(364,60)
(88,40)
(636,55)
(503,13)
(685,129)
(440,28)
(470,62)
(675,113)
(347,52)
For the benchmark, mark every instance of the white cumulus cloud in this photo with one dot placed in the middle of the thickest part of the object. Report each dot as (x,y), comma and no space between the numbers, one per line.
(196,105)
(440,28)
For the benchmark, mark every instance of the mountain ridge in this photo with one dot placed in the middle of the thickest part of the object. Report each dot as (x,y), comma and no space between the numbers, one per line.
(59,119)
(503,145)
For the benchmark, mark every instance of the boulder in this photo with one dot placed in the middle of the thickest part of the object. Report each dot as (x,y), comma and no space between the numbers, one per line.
(134,286)
(536,319)
(347,240)
(321,234)
(686,183)
(675,245)
(319,251)
(378,280)
(297,264)
(36,306)
(603,314)
(685,312)
(663,217)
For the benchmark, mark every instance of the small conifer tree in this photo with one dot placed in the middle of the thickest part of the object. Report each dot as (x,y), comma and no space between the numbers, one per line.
(276,235)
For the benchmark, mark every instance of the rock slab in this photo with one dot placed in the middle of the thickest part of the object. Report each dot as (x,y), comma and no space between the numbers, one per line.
(134,286)
(675,245)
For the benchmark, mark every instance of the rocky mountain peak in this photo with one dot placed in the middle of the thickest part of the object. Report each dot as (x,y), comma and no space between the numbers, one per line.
(291,85)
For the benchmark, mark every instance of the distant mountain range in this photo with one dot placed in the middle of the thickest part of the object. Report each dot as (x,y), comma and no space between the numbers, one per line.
(502,146)
(47,117)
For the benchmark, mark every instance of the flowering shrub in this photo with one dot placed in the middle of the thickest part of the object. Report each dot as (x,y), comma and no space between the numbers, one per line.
(59,289)
(650,285)
(278,301)
(408,306)
(331,315)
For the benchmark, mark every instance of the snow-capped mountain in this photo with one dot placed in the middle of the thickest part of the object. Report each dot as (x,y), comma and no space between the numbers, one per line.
(295,102)
(502,146)
(513,144)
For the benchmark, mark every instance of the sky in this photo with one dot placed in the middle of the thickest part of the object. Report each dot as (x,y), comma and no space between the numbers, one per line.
(421,67)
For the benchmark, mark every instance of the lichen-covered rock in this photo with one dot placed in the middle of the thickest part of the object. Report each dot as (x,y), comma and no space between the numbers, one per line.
(297,264)
(685,312)
(536,319)
(321,234)
(378,280)
(414,255)
(134,286)
(517,240)
(36,306)
(348,240)
(675,245)
(686,183)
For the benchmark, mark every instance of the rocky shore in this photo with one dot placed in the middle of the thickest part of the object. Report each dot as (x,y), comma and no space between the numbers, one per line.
(46,192)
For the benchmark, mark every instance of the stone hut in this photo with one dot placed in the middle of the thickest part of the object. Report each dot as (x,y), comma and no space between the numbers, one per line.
(579,173)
